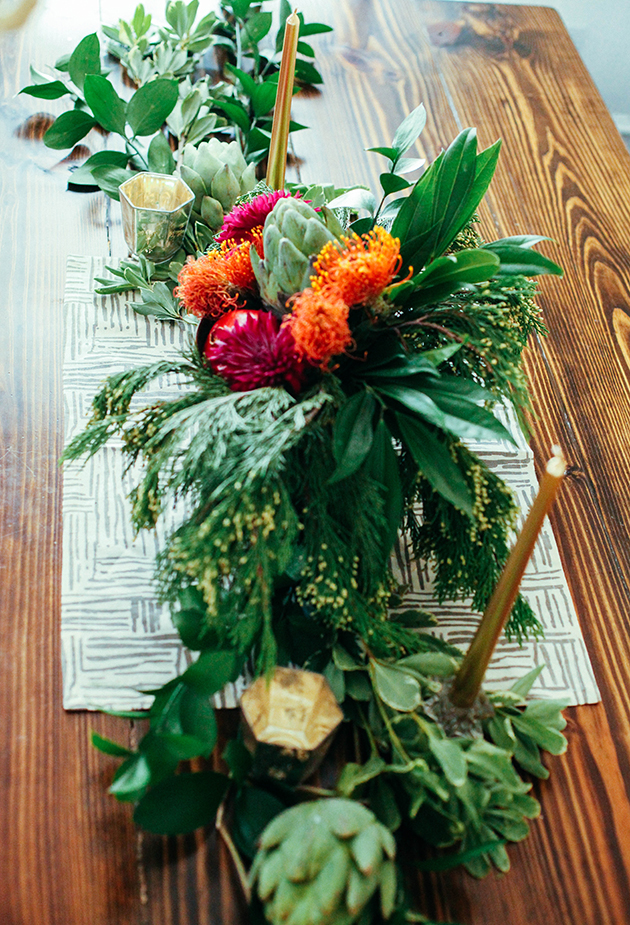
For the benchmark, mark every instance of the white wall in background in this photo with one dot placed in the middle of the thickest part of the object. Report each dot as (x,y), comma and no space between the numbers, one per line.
(600,30)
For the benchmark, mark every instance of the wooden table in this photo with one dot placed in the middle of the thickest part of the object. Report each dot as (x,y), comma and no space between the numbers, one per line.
(69,854)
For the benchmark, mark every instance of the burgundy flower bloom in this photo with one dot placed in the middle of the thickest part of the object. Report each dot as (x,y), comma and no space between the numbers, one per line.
(241,221)
(250,349)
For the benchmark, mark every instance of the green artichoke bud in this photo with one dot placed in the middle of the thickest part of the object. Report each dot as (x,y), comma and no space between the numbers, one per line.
(225,187)
(292,236)
(320,863)
(218,174)
(211,212)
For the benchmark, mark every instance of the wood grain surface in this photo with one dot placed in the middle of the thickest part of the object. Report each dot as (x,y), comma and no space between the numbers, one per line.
(69,854)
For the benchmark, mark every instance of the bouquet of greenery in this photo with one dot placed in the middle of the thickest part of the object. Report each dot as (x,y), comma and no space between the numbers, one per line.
(346,350)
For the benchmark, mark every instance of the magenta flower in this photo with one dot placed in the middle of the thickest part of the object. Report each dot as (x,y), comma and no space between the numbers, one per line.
(249,349)
(241,221)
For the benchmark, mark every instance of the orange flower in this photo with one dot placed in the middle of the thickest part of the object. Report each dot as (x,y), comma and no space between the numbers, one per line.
(362,270)
(218,281)
(319,324)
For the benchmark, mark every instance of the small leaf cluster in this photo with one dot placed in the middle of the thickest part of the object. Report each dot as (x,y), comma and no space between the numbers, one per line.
(451,780)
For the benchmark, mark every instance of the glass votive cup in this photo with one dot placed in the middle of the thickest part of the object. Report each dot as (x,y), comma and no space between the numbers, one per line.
(155,212)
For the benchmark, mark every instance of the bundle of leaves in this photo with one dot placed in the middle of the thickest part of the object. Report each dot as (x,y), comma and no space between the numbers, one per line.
(172,91)
(339,371)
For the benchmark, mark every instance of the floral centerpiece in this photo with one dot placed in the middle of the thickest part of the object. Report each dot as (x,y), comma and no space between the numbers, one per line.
(347,350)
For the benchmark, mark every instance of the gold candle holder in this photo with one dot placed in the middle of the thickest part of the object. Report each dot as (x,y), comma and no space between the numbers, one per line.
(288,723)
(155,212)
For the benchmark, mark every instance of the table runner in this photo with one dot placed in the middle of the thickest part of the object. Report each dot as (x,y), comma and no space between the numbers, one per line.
(116,637)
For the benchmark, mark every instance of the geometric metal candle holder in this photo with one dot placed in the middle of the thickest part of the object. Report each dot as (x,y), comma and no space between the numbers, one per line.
(288,723)
(155,212)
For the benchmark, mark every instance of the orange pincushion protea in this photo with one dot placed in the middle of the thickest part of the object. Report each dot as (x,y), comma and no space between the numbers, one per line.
(319,324)
(359,272)
(218,281)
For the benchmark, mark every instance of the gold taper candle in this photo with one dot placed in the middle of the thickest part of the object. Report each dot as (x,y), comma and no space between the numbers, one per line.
(276,165)
(469,678)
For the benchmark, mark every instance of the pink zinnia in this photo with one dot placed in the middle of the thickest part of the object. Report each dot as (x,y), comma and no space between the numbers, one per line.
(242,220)
(249,349)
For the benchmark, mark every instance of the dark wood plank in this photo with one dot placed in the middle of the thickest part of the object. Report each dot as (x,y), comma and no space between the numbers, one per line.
(68,852)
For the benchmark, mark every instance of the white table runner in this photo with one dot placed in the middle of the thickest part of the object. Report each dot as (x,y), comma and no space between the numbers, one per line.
(116,637)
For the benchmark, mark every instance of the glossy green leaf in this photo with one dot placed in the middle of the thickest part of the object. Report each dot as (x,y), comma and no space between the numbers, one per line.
(238,760)
(150,105)
(412,399)
(358,686)
(160,157)
(544,736)
(484,172)
(466,266)
(389,153)
(467,420)
(84,60)
(68,128)
(455,180)
(108,747)
(253,810)
(382,464)
(212,671)
(450,861)
(408,164)
(131,779)
(409,130)
(307,73)
(264,98)
(358,198)
(83,175)
(516,260)
(256,28)
(198,718)
(397,689)
(235,112)
(435,462)
(353,433)
(523,685)
(314,28)
(61,64)
(383,803)
(109,179)
(246,80)
(107,107)
(51,90)
(430,664)
(354,775)
(392,183)
(181,804)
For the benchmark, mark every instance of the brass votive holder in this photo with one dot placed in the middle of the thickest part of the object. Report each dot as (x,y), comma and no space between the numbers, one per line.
(288,723)
(155,212)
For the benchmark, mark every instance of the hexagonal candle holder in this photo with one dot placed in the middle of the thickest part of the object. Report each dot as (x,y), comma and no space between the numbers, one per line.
(289,723)
(155,212)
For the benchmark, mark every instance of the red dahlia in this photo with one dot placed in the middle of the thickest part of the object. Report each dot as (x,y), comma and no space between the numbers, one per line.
(249,349)
(242,220)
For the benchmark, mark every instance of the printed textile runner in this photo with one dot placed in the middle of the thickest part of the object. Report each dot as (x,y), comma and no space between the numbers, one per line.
(117,638)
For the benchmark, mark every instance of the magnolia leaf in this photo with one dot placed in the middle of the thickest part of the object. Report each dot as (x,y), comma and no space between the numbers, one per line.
(236,113)
(357,198)
(131,779)
(252,811)
(182,804)
(409,164)
(392,183)
(238,759)
(84,60)
(198,718)
(108,747)
(212,671)
(159,156)
(409,130)
(518,260)
(109,179)
(307,73)
(455,179)
(383,803)
(107,107)
(263,97)
(440,354)
(150,105)
(435,462)
(68,128)
(51,90)
(397,689)
(467,266)
(183,747)
(353,433)
(256,28)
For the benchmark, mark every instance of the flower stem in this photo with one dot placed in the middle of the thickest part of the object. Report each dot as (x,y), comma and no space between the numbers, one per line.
(241,873)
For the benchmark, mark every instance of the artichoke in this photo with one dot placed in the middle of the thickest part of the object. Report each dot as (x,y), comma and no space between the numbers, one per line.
(320,863)
(218,175)
(293,235)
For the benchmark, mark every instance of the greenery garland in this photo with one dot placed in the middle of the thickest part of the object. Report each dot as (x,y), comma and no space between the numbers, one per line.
(344,357)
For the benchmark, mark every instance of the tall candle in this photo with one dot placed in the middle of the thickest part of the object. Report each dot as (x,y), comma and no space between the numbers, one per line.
(468,680)
(277,162)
